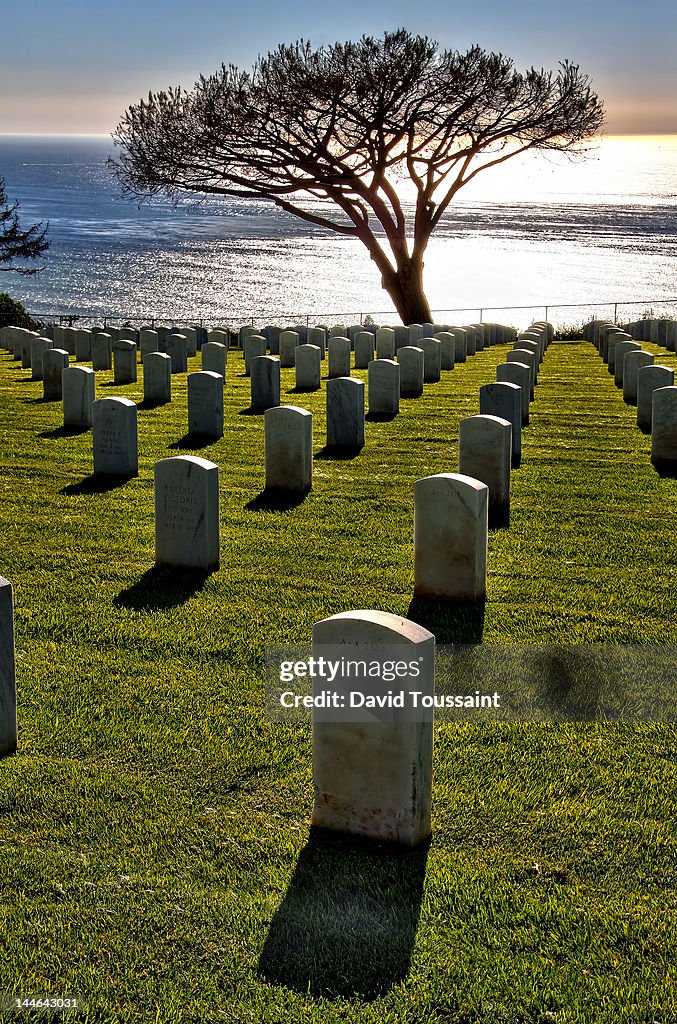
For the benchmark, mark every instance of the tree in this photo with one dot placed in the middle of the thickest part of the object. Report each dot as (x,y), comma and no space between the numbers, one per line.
(16,244)
(344,124)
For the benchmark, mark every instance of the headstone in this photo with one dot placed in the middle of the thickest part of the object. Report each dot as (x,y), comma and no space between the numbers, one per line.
(527,359)
(613,341)
(447,349)
(124,362)
(288,342)
(664,428)
(410,358)
(265,382)
(620,352)
(520,374)
(102,352)
(479,337)
(470,346)
(83,345)
(302,331)
(114,436)
(308,367)
(345,412)
(671,336)
(485,453)
(77,391)
(318,336)
(38,347)
(67,340)
(383,379)
(339,357)
(401,337)
(254,345)
(53,363)
(8,722)
(432,359)
(26,340)
(272,335)
(504,400)
(649,379)
(338,331)
(214,356)
(190,334)
(375,780)
(289,447)
(364,350)
(218,336)
(415,333)
(149,341)
(177,350)
(385,343)
(187,512)
(205,403)
(460,344)
(157,378)
(631,365)
(450,537)
(244,332)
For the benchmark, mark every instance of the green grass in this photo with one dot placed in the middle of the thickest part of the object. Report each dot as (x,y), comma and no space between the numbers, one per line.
(155,855)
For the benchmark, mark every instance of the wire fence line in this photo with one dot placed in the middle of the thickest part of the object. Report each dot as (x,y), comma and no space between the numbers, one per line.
(559,314)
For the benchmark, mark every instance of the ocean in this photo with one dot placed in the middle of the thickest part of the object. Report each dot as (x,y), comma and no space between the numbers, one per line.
(537,236)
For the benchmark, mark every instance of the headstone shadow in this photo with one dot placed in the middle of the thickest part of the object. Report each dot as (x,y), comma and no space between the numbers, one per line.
(452,622)
(161,587)
(276,500)
(25,380)
(337,453)
(381,417)
(97,483)
(39,401)
(347,923)
(64,432)
(251,411)
(194,442)
(666,470)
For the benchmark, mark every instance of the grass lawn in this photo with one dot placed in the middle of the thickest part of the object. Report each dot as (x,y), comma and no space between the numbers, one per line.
(155,855)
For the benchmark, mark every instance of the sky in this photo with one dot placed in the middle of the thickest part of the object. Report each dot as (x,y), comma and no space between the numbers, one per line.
(73,66)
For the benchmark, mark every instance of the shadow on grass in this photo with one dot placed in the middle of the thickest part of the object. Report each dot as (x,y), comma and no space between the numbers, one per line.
(64,432)
(666,468)
(194,441)
(336,452)
(276,500)
(380,417)
(302,391)
(161,587)
(252,411)
(452,622)
(25,380)
(118,383)
(347,923)
(97,483)
(151,403)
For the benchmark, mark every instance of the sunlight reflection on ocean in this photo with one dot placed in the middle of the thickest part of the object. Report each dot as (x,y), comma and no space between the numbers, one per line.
(536,231)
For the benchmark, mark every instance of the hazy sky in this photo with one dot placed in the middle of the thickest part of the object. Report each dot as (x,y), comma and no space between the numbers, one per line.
(75,65)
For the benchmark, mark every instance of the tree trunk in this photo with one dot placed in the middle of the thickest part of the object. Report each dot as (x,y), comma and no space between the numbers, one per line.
(405,288)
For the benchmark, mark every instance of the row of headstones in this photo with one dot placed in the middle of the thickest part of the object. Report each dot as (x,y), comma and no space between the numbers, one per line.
(491,444)
(648,385)
(392,371)
(459,511)
(351,794)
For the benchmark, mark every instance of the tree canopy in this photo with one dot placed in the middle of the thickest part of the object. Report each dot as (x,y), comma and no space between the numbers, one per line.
(16,244)
(344,124)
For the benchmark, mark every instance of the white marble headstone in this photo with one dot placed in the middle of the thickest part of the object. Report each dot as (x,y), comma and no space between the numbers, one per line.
(187,513)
